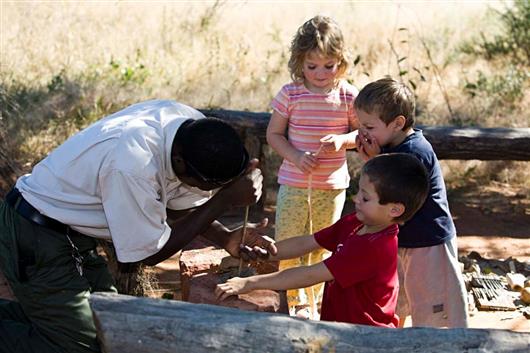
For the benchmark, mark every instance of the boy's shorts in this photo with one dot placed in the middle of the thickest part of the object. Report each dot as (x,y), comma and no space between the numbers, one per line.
(431,287)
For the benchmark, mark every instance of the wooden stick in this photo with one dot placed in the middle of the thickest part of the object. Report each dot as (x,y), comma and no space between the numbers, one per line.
(245,221)
(312,295)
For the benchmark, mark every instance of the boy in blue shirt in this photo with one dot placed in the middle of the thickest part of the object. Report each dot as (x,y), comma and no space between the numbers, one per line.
(432,290)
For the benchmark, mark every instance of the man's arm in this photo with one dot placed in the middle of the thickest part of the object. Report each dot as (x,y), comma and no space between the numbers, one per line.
(291,278)
(187,227)
(242,192)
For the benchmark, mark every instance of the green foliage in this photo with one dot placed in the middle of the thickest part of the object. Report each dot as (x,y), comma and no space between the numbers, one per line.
(514,40)
(507,88)
(510,52)
(134,72)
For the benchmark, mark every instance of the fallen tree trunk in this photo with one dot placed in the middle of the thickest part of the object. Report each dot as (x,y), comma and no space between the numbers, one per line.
(448,142)
(138,325)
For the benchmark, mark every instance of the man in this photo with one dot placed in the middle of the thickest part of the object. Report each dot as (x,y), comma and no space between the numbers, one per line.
(125,178)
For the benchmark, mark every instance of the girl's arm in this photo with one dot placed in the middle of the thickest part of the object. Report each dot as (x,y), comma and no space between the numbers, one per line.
(291,278)
(334,143)
(276,131)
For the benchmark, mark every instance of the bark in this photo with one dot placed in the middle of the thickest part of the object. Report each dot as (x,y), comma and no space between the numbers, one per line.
(138,325)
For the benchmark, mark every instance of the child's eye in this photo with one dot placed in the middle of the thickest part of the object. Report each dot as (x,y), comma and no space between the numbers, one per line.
(311,67)
(329,67)
(365,199)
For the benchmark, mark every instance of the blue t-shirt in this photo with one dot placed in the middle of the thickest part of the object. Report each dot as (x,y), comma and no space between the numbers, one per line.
(432,224)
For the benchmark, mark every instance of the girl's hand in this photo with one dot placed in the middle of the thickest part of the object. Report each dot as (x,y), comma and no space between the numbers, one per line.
(367,146)
(332,143)
(233,286)
(306,162)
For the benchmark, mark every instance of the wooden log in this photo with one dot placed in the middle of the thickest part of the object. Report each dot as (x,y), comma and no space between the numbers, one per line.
(479,143)
(141,325)
(448,142)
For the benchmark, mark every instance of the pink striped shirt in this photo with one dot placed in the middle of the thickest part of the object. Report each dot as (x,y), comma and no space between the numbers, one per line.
(311,117)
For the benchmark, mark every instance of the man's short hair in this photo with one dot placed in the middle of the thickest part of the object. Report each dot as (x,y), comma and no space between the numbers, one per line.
(214,148)
(399,178)
(388,98)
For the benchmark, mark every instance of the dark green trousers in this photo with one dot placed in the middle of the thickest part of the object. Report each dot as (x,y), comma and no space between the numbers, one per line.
(52,313)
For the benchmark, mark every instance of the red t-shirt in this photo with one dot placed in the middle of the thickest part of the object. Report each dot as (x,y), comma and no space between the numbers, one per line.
(365,285)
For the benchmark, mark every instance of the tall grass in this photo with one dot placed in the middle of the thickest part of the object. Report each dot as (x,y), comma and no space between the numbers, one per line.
(65,64)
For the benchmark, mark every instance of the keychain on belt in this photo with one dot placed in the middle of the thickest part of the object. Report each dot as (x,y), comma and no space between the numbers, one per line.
(78,259)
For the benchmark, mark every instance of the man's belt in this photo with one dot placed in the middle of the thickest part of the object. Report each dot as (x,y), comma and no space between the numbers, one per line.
(25,209)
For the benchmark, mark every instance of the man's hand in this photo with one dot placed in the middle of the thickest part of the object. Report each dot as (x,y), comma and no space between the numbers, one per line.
(367,147)
(233,286)
(247,189)
(256,246)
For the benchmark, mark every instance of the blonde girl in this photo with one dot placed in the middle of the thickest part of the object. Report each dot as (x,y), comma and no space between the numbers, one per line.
(312,124)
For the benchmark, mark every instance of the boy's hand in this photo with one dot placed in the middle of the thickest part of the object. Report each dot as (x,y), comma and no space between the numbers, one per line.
(256,246)
(233,286)
(367,146)
(306,162)
(332,143)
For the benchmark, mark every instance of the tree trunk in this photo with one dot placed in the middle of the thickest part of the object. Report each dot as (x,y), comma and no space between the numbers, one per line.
(138,325)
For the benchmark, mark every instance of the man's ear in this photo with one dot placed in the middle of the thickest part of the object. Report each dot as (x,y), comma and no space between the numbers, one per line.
(396,210)
(399,122)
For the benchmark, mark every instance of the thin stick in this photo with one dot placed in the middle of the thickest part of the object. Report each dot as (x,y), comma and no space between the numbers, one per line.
(312,303)
(245,221)
(309,192)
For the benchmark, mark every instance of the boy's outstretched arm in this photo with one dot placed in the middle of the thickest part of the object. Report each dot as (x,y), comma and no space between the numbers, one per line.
(295,247)
(291,278)
(283,250)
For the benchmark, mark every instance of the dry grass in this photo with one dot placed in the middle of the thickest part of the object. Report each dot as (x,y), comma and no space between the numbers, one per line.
(80,60)
(232,54)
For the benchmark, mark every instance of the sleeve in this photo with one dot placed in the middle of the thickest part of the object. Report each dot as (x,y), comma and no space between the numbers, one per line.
(183,197)
(135,215)
(356,261)
(329,237)
(280,103)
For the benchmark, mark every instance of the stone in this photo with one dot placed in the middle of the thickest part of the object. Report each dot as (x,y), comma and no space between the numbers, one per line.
(202,287)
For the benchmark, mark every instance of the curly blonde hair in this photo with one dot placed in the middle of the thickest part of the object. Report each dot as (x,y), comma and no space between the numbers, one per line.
(323,34)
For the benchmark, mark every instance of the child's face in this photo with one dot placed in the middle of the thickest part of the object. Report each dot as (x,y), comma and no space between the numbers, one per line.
(376,128)
(319,71)
(369,211)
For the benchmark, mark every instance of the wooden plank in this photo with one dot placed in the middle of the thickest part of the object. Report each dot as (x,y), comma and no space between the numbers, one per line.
(141,325)
(448,142)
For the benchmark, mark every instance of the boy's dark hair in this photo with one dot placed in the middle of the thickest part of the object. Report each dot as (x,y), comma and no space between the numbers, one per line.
(213,148)
(388,98)
(399,178)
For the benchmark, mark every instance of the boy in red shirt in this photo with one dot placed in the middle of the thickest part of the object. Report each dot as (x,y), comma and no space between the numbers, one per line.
(361,274)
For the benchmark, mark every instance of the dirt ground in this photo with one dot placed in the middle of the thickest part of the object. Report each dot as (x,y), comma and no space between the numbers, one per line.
(488,222)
